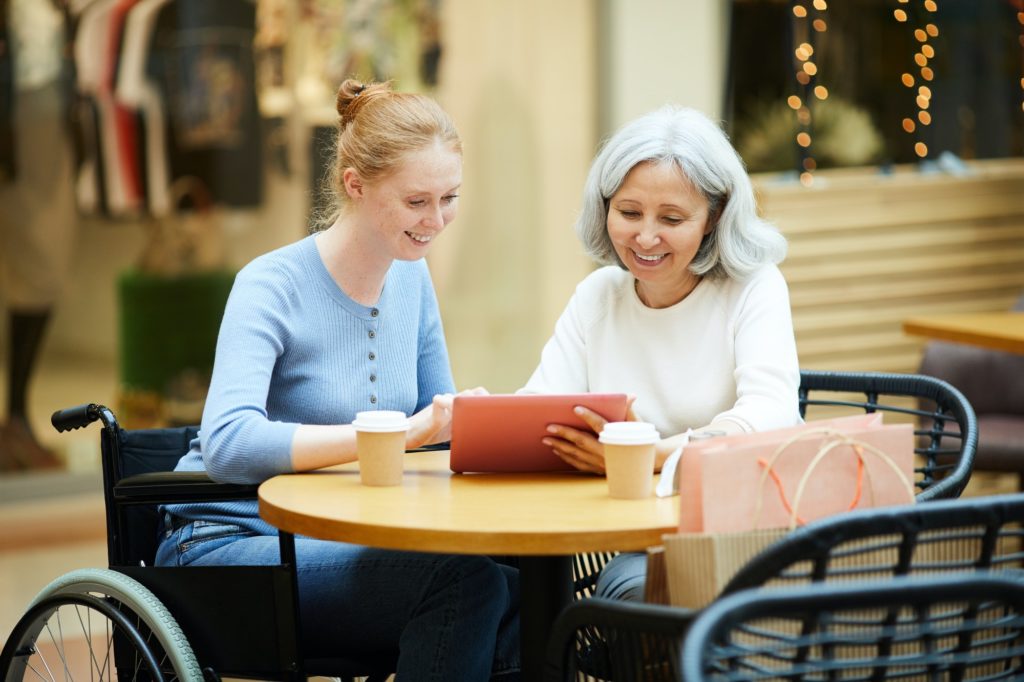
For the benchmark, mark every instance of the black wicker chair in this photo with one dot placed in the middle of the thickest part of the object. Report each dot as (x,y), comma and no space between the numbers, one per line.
(924,628)
(947,428)
(617,641)
(629,641)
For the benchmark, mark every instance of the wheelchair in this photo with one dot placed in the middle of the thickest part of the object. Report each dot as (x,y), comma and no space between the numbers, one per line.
(137,621)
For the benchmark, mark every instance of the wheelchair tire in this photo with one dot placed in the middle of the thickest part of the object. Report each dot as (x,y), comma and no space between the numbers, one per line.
(69,629)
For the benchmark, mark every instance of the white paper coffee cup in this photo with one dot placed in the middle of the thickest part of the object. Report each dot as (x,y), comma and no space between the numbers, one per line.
(380,446)
(629,458)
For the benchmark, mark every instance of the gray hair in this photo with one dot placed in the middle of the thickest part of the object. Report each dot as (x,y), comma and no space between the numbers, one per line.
(739,242)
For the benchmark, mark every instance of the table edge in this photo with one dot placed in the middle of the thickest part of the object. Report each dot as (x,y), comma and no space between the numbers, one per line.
(920,327)
(523,543)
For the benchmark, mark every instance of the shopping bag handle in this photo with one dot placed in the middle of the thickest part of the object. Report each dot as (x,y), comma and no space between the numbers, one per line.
(838,438)
(796,519)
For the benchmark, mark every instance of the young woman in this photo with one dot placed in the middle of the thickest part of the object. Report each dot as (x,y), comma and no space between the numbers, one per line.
(343,321)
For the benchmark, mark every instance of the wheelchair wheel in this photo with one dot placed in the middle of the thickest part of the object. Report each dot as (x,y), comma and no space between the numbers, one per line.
(97,624)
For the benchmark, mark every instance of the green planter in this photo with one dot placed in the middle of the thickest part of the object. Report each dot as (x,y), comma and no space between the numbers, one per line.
(168,334)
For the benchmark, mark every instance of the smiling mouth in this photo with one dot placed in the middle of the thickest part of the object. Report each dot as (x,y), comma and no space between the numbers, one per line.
(419,238)
(652,259)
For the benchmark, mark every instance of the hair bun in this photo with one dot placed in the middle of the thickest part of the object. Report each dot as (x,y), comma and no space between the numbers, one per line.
(353,95)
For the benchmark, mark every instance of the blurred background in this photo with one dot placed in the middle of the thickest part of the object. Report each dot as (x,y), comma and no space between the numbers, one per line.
(178,139)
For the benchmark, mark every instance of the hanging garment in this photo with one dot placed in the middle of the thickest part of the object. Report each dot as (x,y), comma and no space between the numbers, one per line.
(134,90)
(201,59)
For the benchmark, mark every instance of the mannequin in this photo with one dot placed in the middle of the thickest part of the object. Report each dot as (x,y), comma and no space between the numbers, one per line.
(37,215)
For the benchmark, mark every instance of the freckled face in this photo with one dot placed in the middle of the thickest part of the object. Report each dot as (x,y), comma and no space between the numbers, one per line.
(408,208)
(656,221)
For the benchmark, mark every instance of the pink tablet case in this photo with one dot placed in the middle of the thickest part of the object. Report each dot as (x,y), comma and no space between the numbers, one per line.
(502,433)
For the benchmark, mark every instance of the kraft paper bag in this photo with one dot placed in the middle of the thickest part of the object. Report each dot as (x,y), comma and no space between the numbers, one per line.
(779,479)
(699,565)
(655,585)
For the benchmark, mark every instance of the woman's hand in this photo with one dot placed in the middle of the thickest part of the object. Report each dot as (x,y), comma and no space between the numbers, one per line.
(433,424)
(582,449)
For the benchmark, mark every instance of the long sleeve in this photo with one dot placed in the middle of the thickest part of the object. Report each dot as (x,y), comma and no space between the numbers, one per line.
(767,373)
(240,444)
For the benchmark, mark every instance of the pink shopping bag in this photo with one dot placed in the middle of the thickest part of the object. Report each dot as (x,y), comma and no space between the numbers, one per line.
(787,477)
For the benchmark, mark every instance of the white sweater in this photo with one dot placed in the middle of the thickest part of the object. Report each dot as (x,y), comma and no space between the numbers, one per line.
(725,352)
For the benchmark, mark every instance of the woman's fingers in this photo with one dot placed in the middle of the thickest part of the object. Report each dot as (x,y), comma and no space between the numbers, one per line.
(579,448)
(443,402)
(595,421)
(576,457)
(576,462)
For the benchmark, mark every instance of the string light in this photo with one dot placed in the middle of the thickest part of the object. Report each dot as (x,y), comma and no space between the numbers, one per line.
(1020,20)
(921,58)
(809,22)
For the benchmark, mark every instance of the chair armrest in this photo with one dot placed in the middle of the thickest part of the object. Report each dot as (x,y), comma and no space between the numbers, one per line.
(168,487)
(629,628)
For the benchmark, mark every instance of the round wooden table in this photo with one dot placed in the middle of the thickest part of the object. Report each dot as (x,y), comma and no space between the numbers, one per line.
(542,518)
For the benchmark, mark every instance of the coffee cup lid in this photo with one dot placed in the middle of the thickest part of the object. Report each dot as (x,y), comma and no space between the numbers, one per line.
(629,433)
(381,421)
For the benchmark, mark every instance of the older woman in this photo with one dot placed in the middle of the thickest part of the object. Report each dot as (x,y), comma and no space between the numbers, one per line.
(690,316)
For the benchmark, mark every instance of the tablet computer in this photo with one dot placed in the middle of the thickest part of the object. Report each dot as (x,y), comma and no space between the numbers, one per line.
(502,433)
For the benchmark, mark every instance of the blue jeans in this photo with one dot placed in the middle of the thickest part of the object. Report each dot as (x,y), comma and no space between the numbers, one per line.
(449,617)
(624,577)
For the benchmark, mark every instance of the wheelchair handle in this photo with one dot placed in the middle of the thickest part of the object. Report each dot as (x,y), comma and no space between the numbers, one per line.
(75,417)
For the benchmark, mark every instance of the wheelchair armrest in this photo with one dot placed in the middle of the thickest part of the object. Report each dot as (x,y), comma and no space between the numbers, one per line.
(167,487)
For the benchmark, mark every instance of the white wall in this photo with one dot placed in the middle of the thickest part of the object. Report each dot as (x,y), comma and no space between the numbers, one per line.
(519,79)
(658,51)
